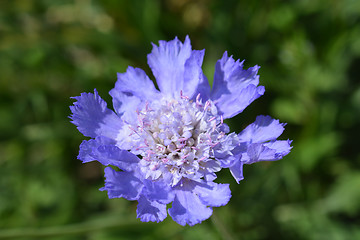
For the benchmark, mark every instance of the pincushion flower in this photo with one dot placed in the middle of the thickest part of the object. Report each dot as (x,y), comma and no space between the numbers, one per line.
(168,143)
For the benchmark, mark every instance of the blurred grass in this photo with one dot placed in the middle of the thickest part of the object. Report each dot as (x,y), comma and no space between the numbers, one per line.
(309,53)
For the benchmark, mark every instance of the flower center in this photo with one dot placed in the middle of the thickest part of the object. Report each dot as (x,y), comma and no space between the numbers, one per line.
(178,138)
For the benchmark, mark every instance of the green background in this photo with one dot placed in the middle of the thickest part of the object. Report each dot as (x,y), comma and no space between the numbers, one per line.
(309,53)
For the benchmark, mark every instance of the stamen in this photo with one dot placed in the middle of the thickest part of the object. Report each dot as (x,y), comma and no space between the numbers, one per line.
(211,119)
(182,96)
(214,127)
(149,152)
(147,108)
(198,103)
(221,135)
(140,147)
(207,104)
(134,131)
(202,159)
(183,157)
(209,137)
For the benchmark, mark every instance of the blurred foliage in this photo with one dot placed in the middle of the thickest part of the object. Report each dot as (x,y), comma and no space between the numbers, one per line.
(309,53)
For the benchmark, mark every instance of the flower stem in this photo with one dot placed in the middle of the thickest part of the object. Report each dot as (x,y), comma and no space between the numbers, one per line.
(220,226)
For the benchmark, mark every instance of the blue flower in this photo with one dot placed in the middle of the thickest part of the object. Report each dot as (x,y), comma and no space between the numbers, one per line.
(169,142)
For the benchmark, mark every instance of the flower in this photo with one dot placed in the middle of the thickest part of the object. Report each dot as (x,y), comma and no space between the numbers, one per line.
(169,143)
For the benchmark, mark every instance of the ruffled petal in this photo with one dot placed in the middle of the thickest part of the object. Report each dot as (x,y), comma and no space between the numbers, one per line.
(194,79)
(226,148)
(234,88)
(282,147)
(122,184)
(187,208)
(257,151)
(237,171)
(270,151)
(208,169)
(203,89)
(213,194)
(92,117)
(230,160)
(125,104)
(136,82)
(102,150)
(263,129)
(158,191)
(167,63)
(88,146)
(150,211)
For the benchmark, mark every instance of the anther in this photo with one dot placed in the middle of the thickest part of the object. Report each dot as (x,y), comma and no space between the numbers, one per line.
(207,104)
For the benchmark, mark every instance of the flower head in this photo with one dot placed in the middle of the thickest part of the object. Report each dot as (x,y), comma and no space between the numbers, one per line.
(169,143)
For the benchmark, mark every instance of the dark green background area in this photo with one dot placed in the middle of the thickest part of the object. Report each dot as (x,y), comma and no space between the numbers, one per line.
(309,53)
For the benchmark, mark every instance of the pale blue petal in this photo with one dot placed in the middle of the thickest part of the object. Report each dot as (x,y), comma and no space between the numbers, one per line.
(269,151)
(237,171)
(122,184)
(150,211)
(256,151)
(208,168)
(234,88)
(92,117)
(282,147)
(167,62)
(213,194)
(194,79)
(187,208)
(209,176)
(263,129)
(136,82)
(107,154)
(203,89)
(87,147)
(158,191)
(229,160)
(225,148)
(126,104)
